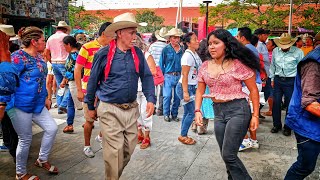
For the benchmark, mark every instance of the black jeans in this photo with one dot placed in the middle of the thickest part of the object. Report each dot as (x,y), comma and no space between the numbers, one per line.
(10,137)
(282,86)
(308,152)
(231,124)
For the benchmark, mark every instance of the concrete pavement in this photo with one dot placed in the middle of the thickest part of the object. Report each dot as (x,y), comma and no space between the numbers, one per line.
(167,159)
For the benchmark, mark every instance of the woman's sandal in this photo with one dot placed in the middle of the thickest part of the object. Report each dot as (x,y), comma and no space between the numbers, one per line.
(145,143)
(186,140)
(51,169)
(27,177)
(140,139)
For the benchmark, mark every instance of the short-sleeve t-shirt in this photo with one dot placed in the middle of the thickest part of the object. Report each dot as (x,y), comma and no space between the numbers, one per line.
(193,60)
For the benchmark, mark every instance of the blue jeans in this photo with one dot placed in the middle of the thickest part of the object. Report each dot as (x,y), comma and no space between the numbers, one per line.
(170,82)
(231,123)
(308,152)
(188,114)
(71,110)
(59,72)
(282,86)
(267,90)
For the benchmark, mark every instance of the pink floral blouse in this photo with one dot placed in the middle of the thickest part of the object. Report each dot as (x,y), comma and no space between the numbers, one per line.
(227,86)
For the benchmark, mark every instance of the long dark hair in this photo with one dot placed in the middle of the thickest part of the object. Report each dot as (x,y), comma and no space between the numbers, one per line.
(203,50)
(72,41)
(235,50)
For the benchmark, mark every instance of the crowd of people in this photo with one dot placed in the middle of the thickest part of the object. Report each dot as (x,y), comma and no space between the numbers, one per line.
(120,81)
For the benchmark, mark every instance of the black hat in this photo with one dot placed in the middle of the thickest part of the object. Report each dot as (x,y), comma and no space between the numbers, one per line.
(261,31)
(103,27)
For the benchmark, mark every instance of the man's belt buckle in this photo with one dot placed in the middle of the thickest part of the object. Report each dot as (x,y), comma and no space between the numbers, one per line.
(124,106)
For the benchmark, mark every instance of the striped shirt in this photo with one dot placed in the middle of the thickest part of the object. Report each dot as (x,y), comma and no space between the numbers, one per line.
(155,50)
(85,58)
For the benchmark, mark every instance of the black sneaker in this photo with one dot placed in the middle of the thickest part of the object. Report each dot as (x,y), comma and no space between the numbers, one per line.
(176,119)
(275,130)
(286,132)
(167,118)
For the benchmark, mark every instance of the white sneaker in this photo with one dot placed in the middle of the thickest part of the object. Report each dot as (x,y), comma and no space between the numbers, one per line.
(255,144)
(245,145)
(99,140)
(88,151)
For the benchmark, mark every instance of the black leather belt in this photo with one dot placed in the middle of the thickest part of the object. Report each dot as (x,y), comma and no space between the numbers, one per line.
(126,106)
(174,73)
(284,78)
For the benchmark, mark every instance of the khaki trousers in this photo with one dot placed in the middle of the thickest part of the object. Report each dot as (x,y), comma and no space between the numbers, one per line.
(119,132)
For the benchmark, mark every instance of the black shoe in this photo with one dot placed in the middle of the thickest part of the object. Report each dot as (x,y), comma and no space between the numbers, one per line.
(62,110)
(261,117)
(167,118)
(176,119)
(154,111)
(159,113)
(275,130)
(286,132)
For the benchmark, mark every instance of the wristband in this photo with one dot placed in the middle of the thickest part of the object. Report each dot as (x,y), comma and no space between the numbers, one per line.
(197,110)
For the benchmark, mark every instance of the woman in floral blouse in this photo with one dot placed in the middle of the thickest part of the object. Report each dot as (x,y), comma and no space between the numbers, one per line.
(30,104)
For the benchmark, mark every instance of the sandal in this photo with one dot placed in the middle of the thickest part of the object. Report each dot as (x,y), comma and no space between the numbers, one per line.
(186,140)
(51,169)
(145,143)
(68,129)
(140,139)
(27,177)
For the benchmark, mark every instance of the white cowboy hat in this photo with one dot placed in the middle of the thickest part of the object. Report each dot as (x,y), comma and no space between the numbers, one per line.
(285,41)
(9,30)
(160,34)
(62,24)
(174,32)
(126,20)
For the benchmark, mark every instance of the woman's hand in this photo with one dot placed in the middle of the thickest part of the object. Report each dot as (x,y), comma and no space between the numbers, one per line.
(198,118)
(48,104)
(186,97)
(62,85)
(254,123)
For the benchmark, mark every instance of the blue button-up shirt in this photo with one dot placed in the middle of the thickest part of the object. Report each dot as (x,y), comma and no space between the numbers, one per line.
(122,83)
(8,81)
(284,64)
(170,60)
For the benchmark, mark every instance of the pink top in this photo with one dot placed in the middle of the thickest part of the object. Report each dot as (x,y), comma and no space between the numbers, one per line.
(55,45)
(227,85)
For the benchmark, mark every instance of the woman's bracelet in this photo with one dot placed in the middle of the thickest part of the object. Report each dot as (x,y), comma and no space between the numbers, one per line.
(197,110)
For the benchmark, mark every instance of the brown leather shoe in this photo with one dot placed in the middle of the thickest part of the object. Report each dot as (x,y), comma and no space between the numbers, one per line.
(68,129)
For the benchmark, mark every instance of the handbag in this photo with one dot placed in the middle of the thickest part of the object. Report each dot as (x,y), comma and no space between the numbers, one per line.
(158,78)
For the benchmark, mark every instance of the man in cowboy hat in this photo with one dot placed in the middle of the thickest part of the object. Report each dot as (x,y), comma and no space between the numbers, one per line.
(308,43)
(170,63)
(283,71)
(155,50)
(57,55)
(304,115)
(114,79)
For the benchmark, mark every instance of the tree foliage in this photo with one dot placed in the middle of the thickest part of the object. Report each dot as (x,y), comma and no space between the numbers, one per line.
(79,18)
(154,22)
(271,14)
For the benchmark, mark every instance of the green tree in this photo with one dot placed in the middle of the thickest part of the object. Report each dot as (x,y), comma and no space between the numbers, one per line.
(271,14)
(154,22)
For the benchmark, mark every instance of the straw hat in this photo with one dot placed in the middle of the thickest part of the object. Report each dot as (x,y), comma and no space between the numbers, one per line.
(62,24)
(9,30)
(285,41)
(160,34)
(174,32)
(126,20)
